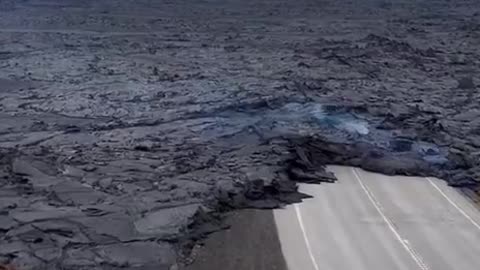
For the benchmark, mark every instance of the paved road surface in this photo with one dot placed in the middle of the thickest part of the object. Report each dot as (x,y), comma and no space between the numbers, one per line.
(368,221)
(251,243)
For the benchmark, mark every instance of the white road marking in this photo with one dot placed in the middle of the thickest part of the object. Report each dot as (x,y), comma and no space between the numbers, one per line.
(415,256)
(454,204)
(305,238)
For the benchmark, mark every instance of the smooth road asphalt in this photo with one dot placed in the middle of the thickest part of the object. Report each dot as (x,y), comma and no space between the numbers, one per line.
(368,221)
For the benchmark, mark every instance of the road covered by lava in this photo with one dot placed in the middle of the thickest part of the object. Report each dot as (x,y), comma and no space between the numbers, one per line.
(128,127)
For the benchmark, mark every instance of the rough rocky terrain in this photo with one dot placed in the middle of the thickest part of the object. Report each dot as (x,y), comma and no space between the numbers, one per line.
(128,127)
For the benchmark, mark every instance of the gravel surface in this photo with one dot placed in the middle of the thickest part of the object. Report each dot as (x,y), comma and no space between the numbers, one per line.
(128,127)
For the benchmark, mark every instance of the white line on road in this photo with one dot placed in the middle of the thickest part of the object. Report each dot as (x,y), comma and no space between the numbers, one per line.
(305,238)
(454,204)
(415,256)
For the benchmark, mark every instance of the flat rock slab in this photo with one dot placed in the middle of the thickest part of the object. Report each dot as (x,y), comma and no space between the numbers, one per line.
(13,247)
(166,221)
(26,168)
(76,194)
(113,226)
(29,216)
(6,223)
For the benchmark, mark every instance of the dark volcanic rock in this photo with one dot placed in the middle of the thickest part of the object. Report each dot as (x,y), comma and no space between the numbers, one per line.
(107,228)
(466,83)
(6,223)
(27,216)
(120,146)
(166,222)
(74,193)
(401,145)
(78,257)
(255,189)
(12,248)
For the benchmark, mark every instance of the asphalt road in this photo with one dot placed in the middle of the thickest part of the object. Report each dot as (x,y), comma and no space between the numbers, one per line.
(368,221)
